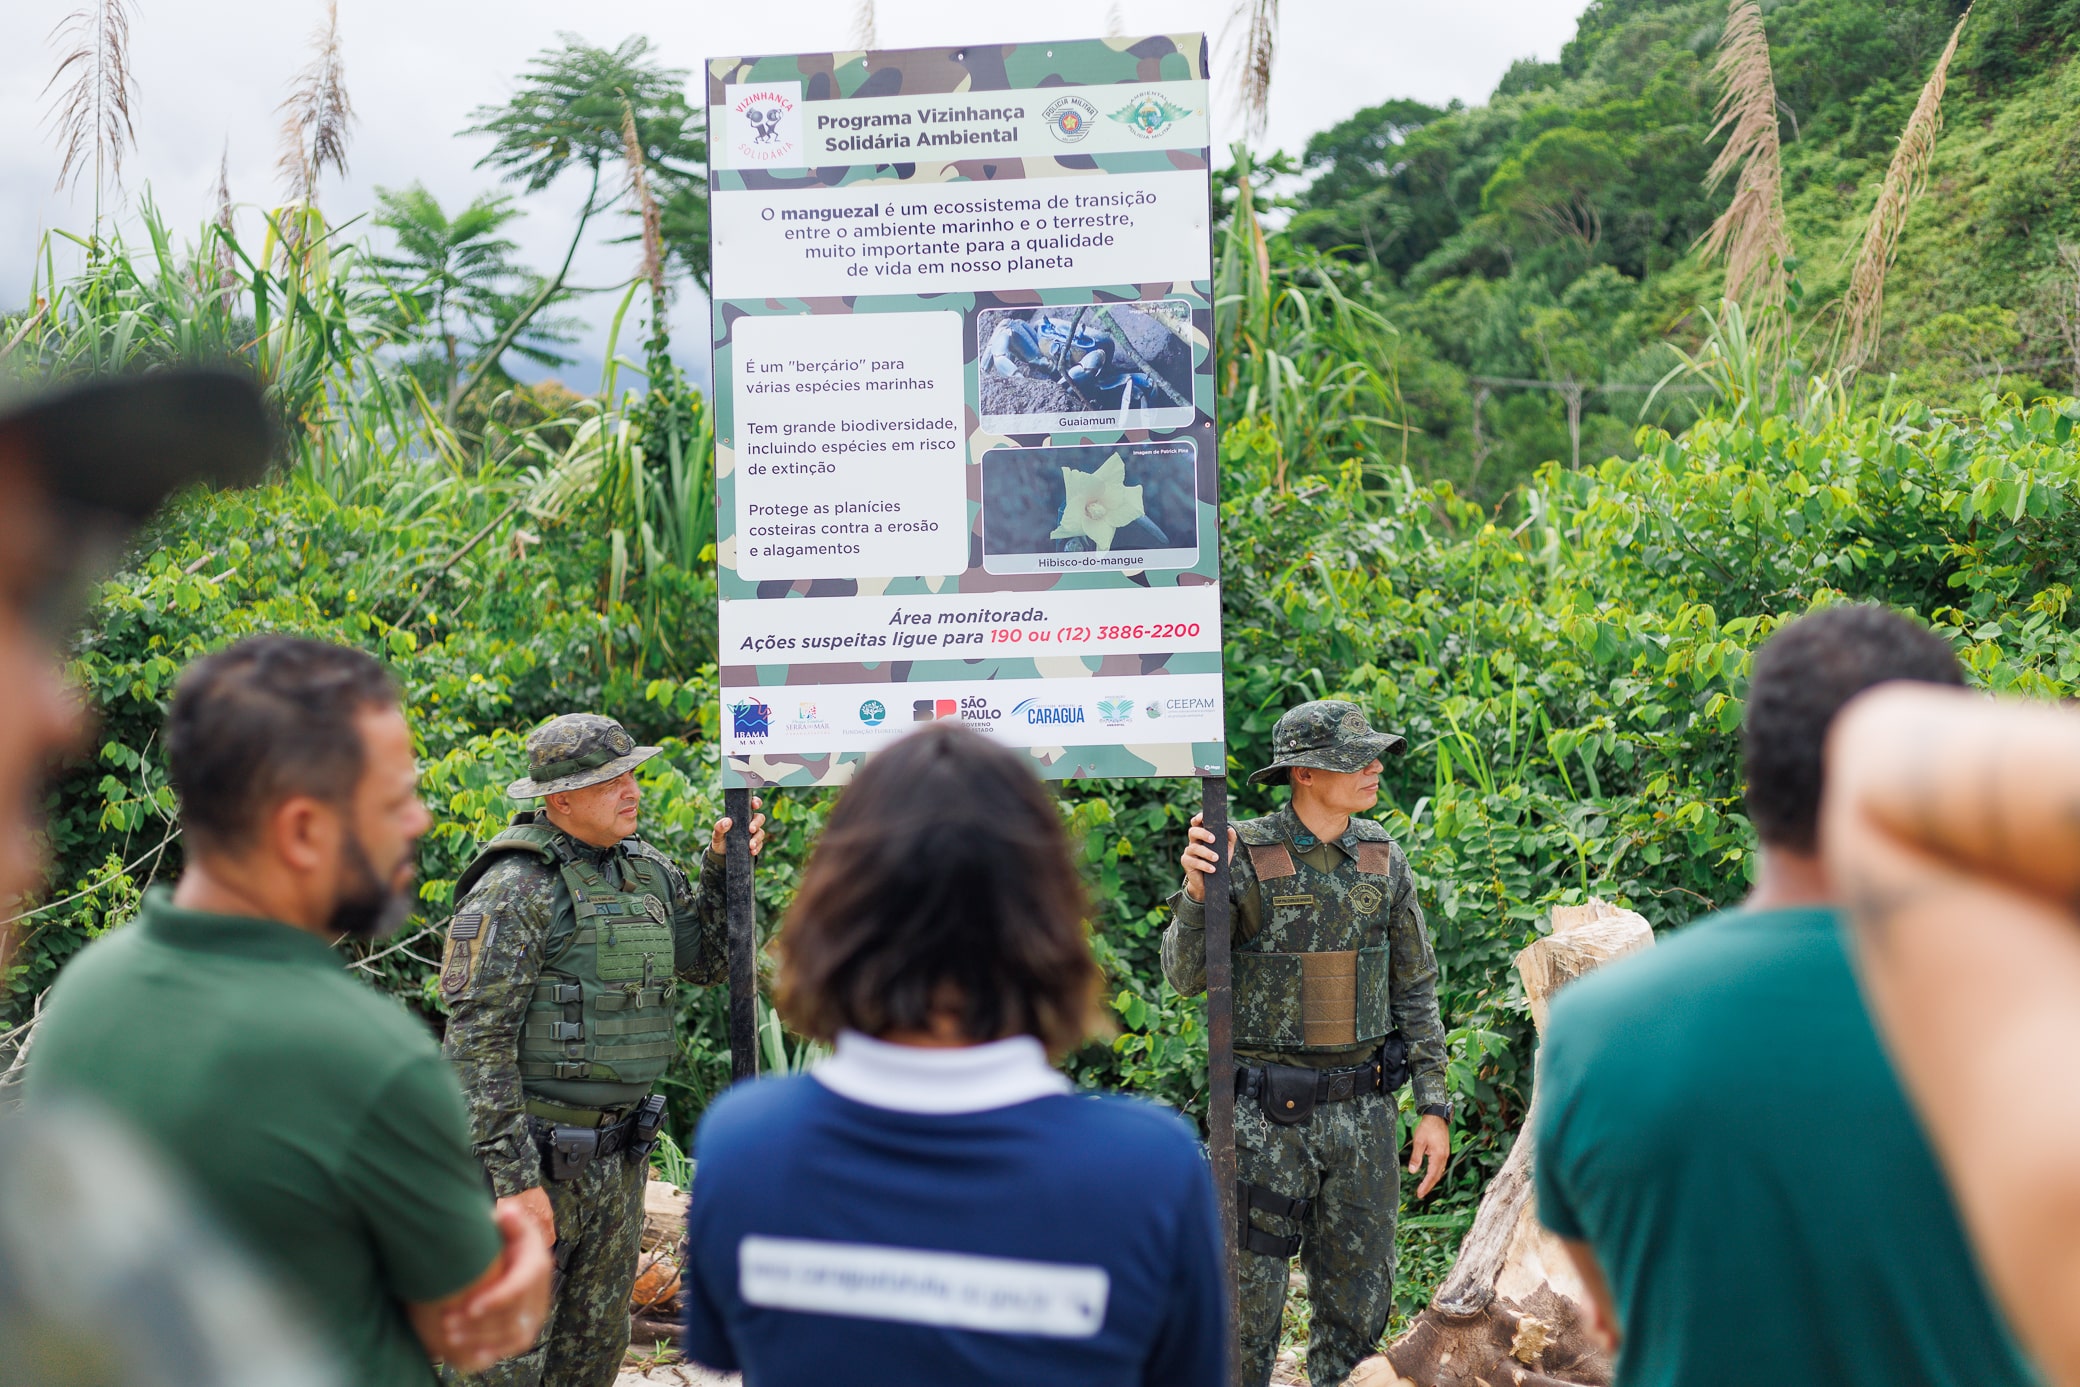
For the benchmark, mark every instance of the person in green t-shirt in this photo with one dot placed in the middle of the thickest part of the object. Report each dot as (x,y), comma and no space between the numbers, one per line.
(1721,1141)
(314,1116)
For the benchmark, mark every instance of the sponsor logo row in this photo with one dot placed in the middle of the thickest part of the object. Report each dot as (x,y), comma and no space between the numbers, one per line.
(750,718)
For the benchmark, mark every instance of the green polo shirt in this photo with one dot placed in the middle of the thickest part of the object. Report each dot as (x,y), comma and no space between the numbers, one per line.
(1717,1120)
(313,1115)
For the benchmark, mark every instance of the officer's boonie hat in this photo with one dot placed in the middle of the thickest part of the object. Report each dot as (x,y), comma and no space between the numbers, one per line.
(576,750)
(1327,735)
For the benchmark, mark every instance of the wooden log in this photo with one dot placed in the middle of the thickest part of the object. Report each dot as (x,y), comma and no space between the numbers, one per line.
(1512,1310)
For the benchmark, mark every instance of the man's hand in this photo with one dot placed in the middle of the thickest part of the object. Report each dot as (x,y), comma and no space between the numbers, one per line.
(501,1313)
(718,843)
(1198,858)
(1432,1144)
(534,1204)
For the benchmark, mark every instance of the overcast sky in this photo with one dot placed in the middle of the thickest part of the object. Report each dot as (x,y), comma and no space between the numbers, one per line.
(208,72)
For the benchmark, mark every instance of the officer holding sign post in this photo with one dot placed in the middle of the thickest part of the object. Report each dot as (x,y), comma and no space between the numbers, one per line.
(563,958)
(1335,1007)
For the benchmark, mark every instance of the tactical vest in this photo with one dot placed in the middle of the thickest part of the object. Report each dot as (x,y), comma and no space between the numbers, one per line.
(598,1031)
(1315,975)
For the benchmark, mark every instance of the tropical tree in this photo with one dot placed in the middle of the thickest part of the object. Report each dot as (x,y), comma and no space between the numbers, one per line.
(567,116)
(459,273)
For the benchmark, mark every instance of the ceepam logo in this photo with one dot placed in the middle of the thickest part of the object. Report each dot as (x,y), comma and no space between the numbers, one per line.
(765,124)
(1034,712)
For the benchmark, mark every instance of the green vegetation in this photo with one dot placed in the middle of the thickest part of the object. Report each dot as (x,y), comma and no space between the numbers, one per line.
(1564,645)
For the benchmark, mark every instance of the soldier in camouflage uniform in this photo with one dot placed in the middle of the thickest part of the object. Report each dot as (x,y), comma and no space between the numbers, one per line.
(560,976)
(1335,1008)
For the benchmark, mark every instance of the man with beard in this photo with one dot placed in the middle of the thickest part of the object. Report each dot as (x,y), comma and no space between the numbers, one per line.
(314,1116)
(569,940)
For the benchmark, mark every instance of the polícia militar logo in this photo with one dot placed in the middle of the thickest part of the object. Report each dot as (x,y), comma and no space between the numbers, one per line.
(1069,118)
(750,718)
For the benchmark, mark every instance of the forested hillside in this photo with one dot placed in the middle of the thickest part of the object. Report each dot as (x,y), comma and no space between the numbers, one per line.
(1405,521)
(1546,235)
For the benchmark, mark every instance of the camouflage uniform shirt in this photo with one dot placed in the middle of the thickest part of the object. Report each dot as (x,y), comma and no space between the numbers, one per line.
(1413,982)
(527,916)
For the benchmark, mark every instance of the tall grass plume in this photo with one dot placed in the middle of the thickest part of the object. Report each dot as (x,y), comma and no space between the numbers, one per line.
(90,117)
(1750,233)
(1864,306)
(316,116)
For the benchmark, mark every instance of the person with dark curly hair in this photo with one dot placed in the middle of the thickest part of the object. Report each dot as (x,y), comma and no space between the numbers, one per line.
(1722,1143)
(934,1203)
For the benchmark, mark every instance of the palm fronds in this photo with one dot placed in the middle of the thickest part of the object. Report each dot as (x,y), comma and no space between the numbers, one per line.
(1115,23)
(1904,181)
(91,116)
(316,115)
(863,27)
(1750,233)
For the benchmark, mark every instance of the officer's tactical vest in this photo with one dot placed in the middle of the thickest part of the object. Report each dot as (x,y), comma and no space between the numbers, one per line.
(599,1025)
(1315,976)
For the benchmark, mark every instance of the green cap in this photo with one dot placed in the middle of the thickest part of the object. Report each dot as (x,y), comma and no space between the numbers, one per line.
(1326,735)
(576,750)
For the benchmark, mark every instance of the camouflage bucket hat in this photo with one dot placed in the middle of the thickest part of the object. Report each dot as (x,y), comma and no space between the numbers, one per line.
(1327,735)
(576,750)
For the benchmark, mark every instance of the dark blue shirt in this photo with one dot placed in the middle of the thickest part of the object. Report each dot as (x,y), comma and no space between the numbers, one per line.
(1063,1239)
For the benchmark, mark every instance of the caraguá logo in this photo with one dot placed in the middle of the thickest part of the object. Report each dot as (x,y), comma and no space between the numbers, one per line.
(750,718)
(1150,114)
(873,713)
(1069,118)
(1035,713)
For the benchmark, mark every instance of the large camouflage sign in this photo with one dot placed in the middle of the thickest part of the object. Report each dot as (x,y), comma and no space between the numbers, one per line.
(964,400)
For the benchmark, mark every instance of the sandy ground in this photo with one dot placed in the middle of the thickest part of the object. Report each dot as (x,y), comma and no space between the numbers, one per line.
(676,1375)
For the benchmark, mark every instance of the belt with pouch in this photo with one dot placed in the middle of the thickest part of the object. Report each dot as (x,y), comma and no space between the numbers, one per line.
(567,1148)
(1288,1093)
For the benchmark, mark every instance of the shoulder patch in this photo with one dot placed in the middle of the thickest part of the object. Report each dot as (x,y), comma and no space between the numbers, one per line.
(456,971)
(466,925)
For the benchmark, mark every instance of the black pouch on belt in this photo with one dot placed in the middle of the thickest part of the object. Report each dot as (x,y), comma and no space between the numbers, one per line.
(1288,1093)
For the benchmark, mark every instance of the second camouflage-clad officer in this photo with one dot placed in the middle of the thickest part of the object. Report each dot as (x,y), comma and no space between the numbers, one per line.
(568,941)
(1335,1008)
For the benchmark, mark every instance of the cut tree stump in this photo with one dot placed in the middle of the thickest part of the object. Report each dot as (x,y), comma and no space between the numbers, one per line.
(654,1303)
(1512,1313)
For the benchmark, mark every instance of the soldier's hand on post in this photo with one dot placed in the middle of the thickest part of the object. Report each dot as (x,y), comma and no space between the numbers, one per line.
(1431,1145)
(723,825)
(1198,858)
